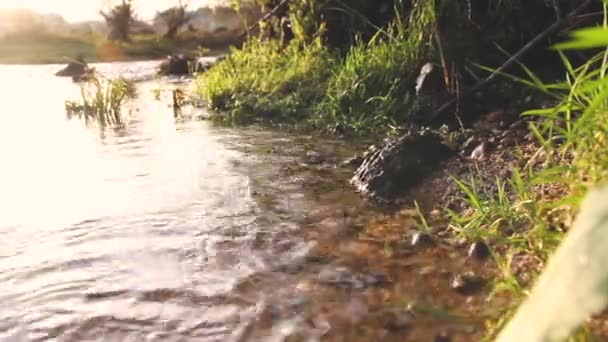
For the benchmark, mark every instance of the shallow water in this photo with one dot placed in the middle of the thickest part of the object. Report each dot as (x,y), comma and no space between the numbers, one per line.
(176,230)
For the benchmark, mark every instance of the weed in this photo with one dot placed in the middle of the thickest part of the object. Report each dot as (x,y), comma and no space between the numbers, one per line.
(101,101)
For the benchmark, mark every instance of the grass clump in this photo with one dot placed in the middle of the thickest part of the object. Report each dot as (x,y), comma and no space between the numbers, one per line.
(101,101)
(373,88)
(310,83)
(264,82)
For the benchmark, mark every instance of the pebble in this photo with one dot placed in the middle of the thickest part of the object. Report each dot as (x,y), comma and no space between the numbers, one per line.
(313,157)
(341,276)
(443,337)
(480,152)
(399,320)
(479,251)
(420,239)
(467,283)
(354,162)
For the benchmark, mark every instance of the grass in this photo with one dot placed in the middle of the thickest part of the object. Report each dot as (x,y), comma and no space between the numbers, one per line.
(530,213)
(310,85)
(372,89)
(102,101)
(264,82)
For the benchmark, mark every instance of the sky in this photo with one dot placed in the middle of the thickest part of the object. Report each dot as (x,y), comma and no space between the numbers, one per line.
(80,10)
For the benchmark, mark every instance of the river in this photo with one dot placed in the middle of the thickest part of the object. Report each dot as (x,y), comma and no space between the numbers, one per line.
(176,230)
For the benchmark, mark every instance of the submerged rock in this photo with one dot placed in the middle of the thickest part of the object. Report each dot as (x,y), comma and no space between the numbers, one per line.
(342,277)
(313,158)
(77,70)
(353,162)
(468,283)
(387,172)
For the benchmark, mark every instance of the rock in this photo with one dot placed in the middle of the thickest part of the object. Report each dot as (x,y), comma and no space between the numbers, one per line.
(342,277)
(355,161)
(313,158)
(431,92)
(205,63)
(387,172)
(399,320)
(176,65)
(77,70)
(422,240)
(480,152)
(429,79)
(373,279)
(479,251)
(442,337)
(467,283)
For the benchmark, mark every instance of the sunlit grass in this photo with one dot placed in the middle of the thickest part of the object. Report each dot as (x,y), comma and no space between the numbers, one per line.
(263,82)
(307,83)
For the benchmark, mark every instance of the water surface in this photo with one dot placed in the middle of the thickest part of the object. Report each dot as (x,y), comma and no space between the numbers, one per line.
(176,230)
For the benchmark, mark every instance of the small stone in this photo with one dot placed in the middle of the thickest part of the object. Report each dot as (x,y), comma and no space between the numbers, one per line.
(479,251)
(480,152)
(422,240)
(443,337)
(354,162)
(373,279)
(313,157)
(467,283)
(508,141)
(335,276)
(400,320)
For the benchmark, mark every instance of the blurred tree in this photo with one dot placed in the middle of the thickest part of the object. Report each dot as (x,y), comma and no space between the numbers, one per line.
(120,18)
(174,18)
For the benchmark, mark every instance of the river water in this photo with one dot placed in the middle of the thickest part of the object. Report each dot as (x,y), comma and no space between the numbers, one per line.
(176,230)
(135,234)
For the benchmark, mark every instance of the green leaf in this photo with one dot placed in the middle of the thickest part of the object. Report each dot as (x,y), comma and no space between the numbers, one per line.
(586,38)
(574,286)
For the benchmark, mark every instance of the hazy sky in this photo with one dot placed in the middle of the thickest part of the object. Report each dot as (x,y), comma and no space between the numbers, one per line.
(77,10)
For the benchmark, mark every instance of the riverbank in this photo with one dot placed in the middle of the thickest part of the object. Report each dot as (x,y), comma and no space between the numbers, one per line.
(523,162)
(56,49)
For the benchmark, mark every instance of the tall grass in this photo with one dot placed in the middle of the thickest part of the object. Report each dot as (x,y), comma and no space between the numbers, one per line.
(306,82)
(101,101)
(373,88)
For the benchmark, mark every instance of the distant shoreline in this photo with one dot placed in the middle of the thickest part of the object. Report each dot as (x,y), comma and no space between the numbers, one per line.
(57,49)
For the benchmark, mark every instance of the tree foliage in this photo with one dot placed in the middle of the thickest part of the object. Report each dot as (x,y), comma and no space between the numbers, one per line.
(120,19)
(174,18)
